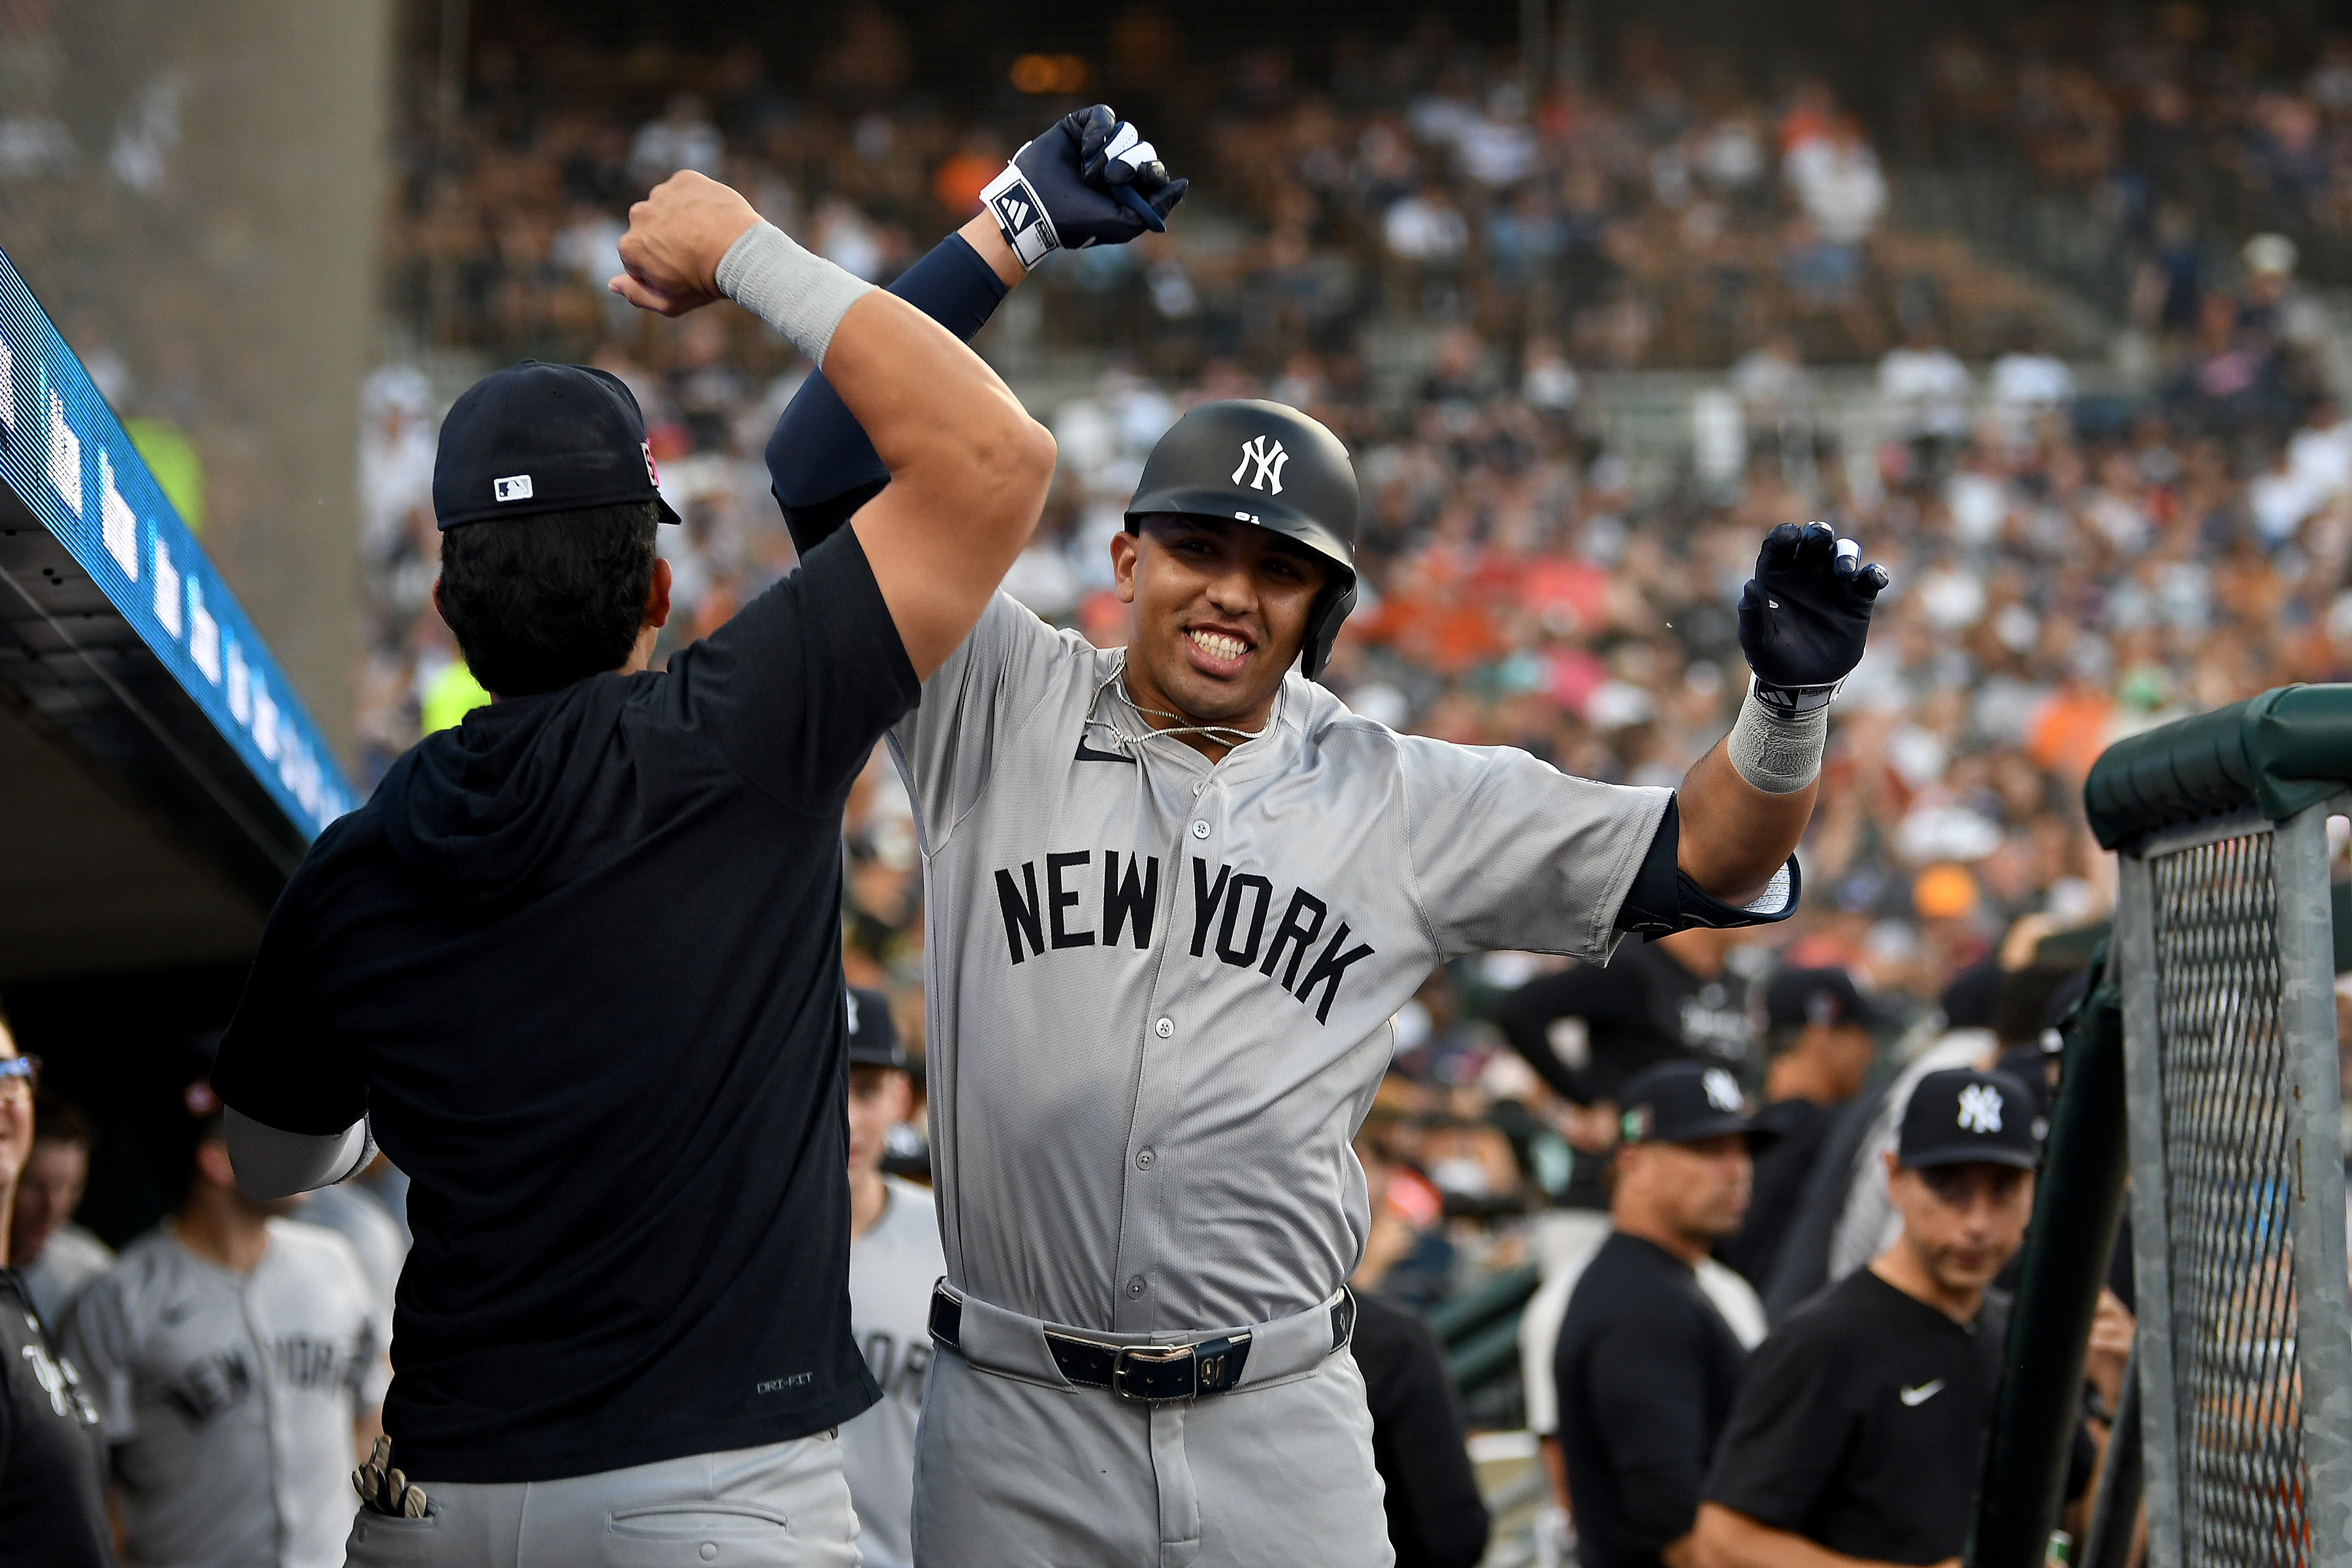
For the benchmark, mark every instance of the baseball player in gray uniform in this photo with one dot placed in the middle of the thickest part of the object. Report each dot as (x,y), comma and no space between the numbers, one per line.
(236,1359)
(1174,895)
(894,1261)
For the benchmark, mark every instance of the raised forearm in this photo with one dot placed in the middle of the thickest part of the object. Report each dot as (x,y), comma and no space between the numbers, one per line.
(822,465)
(1736,836)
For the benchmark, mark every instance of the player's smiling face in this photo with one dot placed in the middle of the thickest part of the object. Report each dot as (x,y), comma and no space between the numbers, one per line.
(1221,613)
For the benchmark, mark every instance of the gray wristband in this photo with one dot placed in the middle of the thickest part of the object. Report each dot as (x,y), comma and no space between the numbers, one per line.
(1777,756)
(802,296)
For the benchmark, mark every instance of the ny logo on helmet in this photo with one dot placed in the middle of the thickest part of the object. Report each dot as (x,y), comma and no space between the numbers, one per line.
(1268,476)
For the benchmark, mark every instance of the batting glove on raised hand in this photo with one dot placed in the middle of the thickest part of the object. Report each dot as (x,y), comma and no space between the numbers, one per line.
(1092,179)
(1804,617)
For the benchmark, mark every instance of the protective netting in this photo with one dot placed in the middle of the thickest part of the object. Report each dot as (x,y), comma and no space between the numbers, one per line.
(2230,1171)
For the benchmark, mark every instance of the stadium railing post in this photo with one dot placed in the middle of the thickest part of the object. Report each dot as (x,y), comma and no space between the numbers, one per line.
(2225,942)
(2324,1312)
(2151,1262)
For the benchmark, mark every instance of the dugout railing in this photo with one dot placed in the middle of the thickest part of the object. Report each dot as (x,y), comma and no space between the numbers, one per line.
(2224,955)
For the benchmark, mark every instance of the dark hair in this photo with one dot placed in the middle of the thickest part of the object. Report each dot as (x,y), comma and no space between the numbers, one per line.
(58,1120)
(537,603)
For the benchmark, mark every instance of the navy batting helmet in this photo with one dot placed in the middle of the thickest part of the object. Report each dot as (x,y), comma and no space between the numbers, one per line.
(1262,463)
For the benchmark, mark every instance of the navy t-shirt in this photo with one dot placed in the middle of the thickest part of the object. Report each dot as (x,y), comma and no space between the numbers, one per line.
(579,962)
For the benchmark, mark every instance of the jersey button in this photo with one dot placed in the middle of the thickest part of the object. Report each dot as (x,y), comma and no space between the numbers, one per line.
(1200,830)
(1165,1027)
(1135,1288)
(1143,1160)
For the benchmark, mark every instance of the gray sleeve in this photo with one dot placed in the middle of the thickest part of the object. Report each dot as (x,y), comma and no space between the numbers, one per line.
(1509,852)
(945,747)
(98,1341)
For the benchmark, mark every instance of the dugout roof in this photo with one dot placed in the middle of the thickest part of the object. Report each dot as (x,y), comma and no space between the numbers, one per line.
(159,778)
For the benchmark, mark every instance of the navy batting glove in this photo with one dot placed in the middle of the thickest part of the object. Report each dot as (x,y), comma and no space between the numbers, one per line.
(1089,179)
(1804,617)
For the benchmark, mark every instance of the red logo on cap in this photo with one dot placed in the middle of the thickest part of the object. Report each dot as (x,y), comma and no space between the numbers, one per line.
(652,472)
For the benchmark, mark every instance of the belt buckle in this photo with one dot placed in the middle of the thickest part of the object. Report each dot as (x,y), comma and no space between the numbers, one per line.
(1153,1357)
(1212,1367)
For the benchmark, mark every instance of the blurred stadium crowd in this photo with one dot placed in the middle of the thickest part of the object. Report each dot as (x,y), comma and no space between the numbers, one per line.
(1442,271)
(1446,258)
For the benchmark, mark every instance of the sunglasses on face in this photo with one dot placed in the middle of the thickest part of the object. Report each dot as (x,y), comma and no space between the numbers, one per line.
(19,1076)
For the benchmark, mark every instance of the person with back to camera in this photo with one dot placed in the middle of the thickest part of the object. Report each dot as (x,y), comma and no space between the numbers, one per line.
(1858,1435)
(1818,1054)
(1174,895)
(577,964)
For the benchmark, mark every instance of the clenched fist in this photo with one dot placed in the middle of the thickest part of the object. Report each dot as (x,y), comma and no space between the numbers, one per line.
(677,236)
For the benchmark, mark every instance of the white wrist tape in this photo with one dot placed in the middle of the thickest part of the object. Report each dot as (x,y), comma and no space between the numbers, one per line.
(802,296)
(1779,755)
(1021,216)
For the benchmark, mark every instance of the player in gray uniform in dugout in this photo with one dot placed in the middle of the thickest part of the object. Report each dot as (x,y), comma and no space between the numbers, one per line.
(1174,895)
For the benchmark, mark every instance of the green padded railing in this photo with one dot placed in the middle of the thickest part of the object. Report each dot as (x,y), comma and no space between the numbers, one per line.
(1480,1328)
(2287,749)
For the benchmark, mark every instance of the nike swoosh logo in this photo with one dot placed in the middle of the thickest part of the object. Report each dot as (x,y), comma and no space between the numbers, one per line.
(1089,754)
(1921,1395)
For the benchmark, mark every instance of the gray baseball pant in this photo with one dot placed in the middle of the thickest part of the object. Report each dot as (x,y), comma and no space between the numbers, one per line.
(784,1505)
(1014,1466)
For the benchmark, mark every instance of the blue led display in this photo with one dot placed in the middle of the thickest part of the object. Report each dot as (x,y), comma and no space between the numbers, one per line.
(67,457)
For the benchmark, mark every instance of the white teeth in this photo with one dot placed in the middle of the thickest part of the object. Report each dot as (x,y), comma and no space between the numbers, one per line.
(1216,645)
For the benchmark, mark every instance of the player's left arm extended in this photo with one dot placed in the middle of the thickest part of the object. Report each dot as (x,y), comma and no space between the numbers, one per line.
(1089,179)
(1803,620)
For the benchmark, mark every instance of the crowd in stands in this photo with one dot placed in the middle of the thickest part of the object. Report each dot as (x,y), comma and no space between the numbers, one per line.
(2177,118)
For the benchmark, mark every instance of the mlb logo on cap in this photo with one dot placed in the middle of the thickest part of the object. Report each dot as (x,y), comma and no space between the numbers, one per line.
(535,438)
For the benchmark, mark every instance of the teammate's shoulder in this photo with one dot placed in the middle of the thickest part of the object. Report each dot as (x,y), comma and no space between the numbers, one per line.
(72,1246)
(149,1265)
(1837,1314)
(912,1200)
(1007,622)
(309,1245)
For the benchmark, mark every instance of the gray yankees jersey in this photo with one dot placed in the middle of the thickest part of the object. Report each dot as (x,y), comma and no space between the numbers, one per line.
(57,1278)
(891,1270)
(227,1400)
(1160,991)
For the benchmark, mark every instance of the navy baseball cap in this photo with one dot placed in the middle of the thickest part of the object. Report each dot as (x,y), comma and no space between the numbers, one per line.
(1682,1103)
(539,437)
(1795,997)
(1959,1116)
(872,1034)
